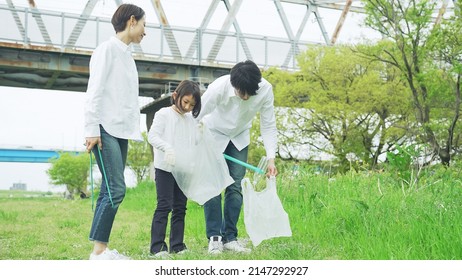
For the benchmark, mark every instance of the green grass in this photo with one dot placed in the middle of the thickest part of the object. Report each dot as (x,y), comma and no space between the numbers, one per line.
(360,216)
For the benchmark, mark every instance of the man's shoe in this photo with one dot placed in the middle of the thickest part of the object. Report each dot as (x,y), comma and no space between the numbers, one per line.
(235,246)
(162,255)
(108,255)
(215,245)
(182,252)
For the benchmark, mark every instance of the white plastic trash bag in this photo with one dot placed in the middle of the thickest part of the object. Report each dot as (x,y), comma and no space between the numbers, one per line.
(264,216)
(200,168)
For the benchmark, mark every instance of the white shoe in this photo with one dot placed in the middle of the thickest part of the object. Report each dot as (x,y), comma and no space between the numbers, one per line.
(243,241)
(162,255)
(108,255)
(235,246)
(215,245)
(182,252)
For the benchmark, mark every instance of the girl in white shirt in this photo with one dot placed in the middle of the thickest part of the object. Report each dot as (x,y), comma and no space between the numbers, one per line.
(172,127)
(112,116)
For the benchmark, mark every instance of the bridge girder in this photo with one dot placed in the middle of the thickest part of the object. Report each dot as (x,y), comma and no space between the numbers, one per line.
(61,62)
(48,68)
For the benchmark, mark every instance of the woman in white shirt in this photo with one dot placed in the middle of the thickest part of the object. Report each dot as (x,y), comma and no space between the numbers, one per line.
(112,117)
(173,135)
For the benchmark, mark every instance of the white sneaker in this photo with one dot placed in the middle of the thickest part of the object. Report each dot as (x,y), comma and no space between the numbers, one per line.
(182,252)
(215,245)
(108,255)
(243,241)
(235,246)
(162,255)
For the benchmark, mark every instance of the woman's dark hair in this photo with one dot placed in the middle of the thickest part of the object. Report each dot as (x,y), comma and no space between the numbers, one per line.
(245,77)
(188,87)
(123,14)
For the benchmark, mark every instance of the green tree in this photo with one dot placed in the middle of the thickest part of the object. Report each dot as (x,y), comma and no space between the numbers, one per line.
(445,45)
(340,104)
(70,170)
(139,157)
(408,27)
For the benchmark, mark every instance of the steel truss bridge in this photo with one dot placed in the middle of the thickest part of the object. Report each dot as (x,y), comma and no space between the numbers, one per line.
(51,49)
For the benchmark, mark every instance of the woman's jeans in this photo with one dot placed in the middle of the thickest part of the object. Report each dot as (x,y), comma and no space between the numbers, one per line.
(170,198)
(114,156)
(225,224)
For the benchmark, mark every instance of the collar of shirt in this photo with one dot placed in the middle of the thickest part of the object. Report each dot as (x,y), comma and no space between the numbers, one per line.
(232,92)
(124,47)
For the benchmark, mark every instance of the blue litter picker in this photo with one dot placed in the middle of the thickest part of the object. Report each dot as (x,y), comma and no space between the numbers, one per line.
(259,171)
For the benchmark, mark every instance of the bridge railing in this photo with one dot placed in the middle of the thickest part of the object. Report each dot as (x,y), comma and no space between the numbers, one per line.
(72,32)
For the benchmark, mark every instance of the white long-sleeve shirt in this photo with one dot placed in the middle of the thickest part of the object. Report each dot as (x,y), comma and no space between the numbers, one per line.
(172,130)
(200,169)
(230,118)
(112,93)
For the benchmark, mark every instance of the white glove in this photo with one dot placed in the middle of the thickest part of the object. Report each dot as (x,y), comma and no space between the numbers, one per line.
(200,132)
(200,126)
(169,157)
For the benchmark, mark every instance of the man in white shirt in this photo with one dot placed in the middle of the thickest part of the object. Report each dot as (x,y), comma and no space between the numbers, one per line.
(228,108)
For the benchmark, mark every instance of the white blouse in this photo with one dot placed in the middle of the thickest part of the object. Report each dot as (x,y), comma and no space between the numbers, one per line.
(200,168)
(171,130)
(112,93)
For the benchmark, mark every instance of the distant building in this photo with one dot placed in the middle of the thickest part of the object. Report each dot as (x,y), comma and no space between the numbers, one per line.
(19,187)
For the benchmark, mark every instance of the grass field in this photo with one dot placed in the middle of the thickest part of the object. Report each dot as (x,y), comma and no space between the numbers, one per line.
(355,216)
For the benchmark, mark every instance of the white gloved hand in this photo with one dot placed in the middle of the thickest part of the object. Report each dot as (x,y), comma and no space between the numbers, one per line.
(200,126)
(200,132)
(169,157)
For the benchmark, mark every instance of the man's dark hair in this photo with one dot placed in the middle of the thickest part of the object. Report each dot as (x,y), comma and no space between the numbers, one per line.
(245,77)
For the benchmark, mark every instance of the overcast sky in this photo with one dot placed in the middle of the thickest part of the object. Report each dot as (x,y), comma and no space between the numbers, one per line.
(54,119)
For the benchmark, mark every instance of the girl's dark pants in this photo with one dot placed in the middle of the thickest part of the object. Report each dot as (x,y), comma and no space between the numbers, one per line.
(170,198)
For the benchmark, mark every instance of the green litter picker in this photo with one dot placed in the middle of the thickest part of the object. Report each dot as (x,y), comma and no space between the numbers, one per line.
(259,171)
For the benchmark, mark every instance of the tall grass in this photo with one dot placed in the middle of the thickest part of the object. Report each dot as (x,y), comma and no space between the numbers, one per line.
(356,216)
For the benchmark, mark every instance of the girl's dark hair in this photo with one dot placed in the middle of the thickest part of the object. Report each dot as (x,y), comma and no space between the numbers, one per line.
(123,14)
(188,87)
(245,77)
